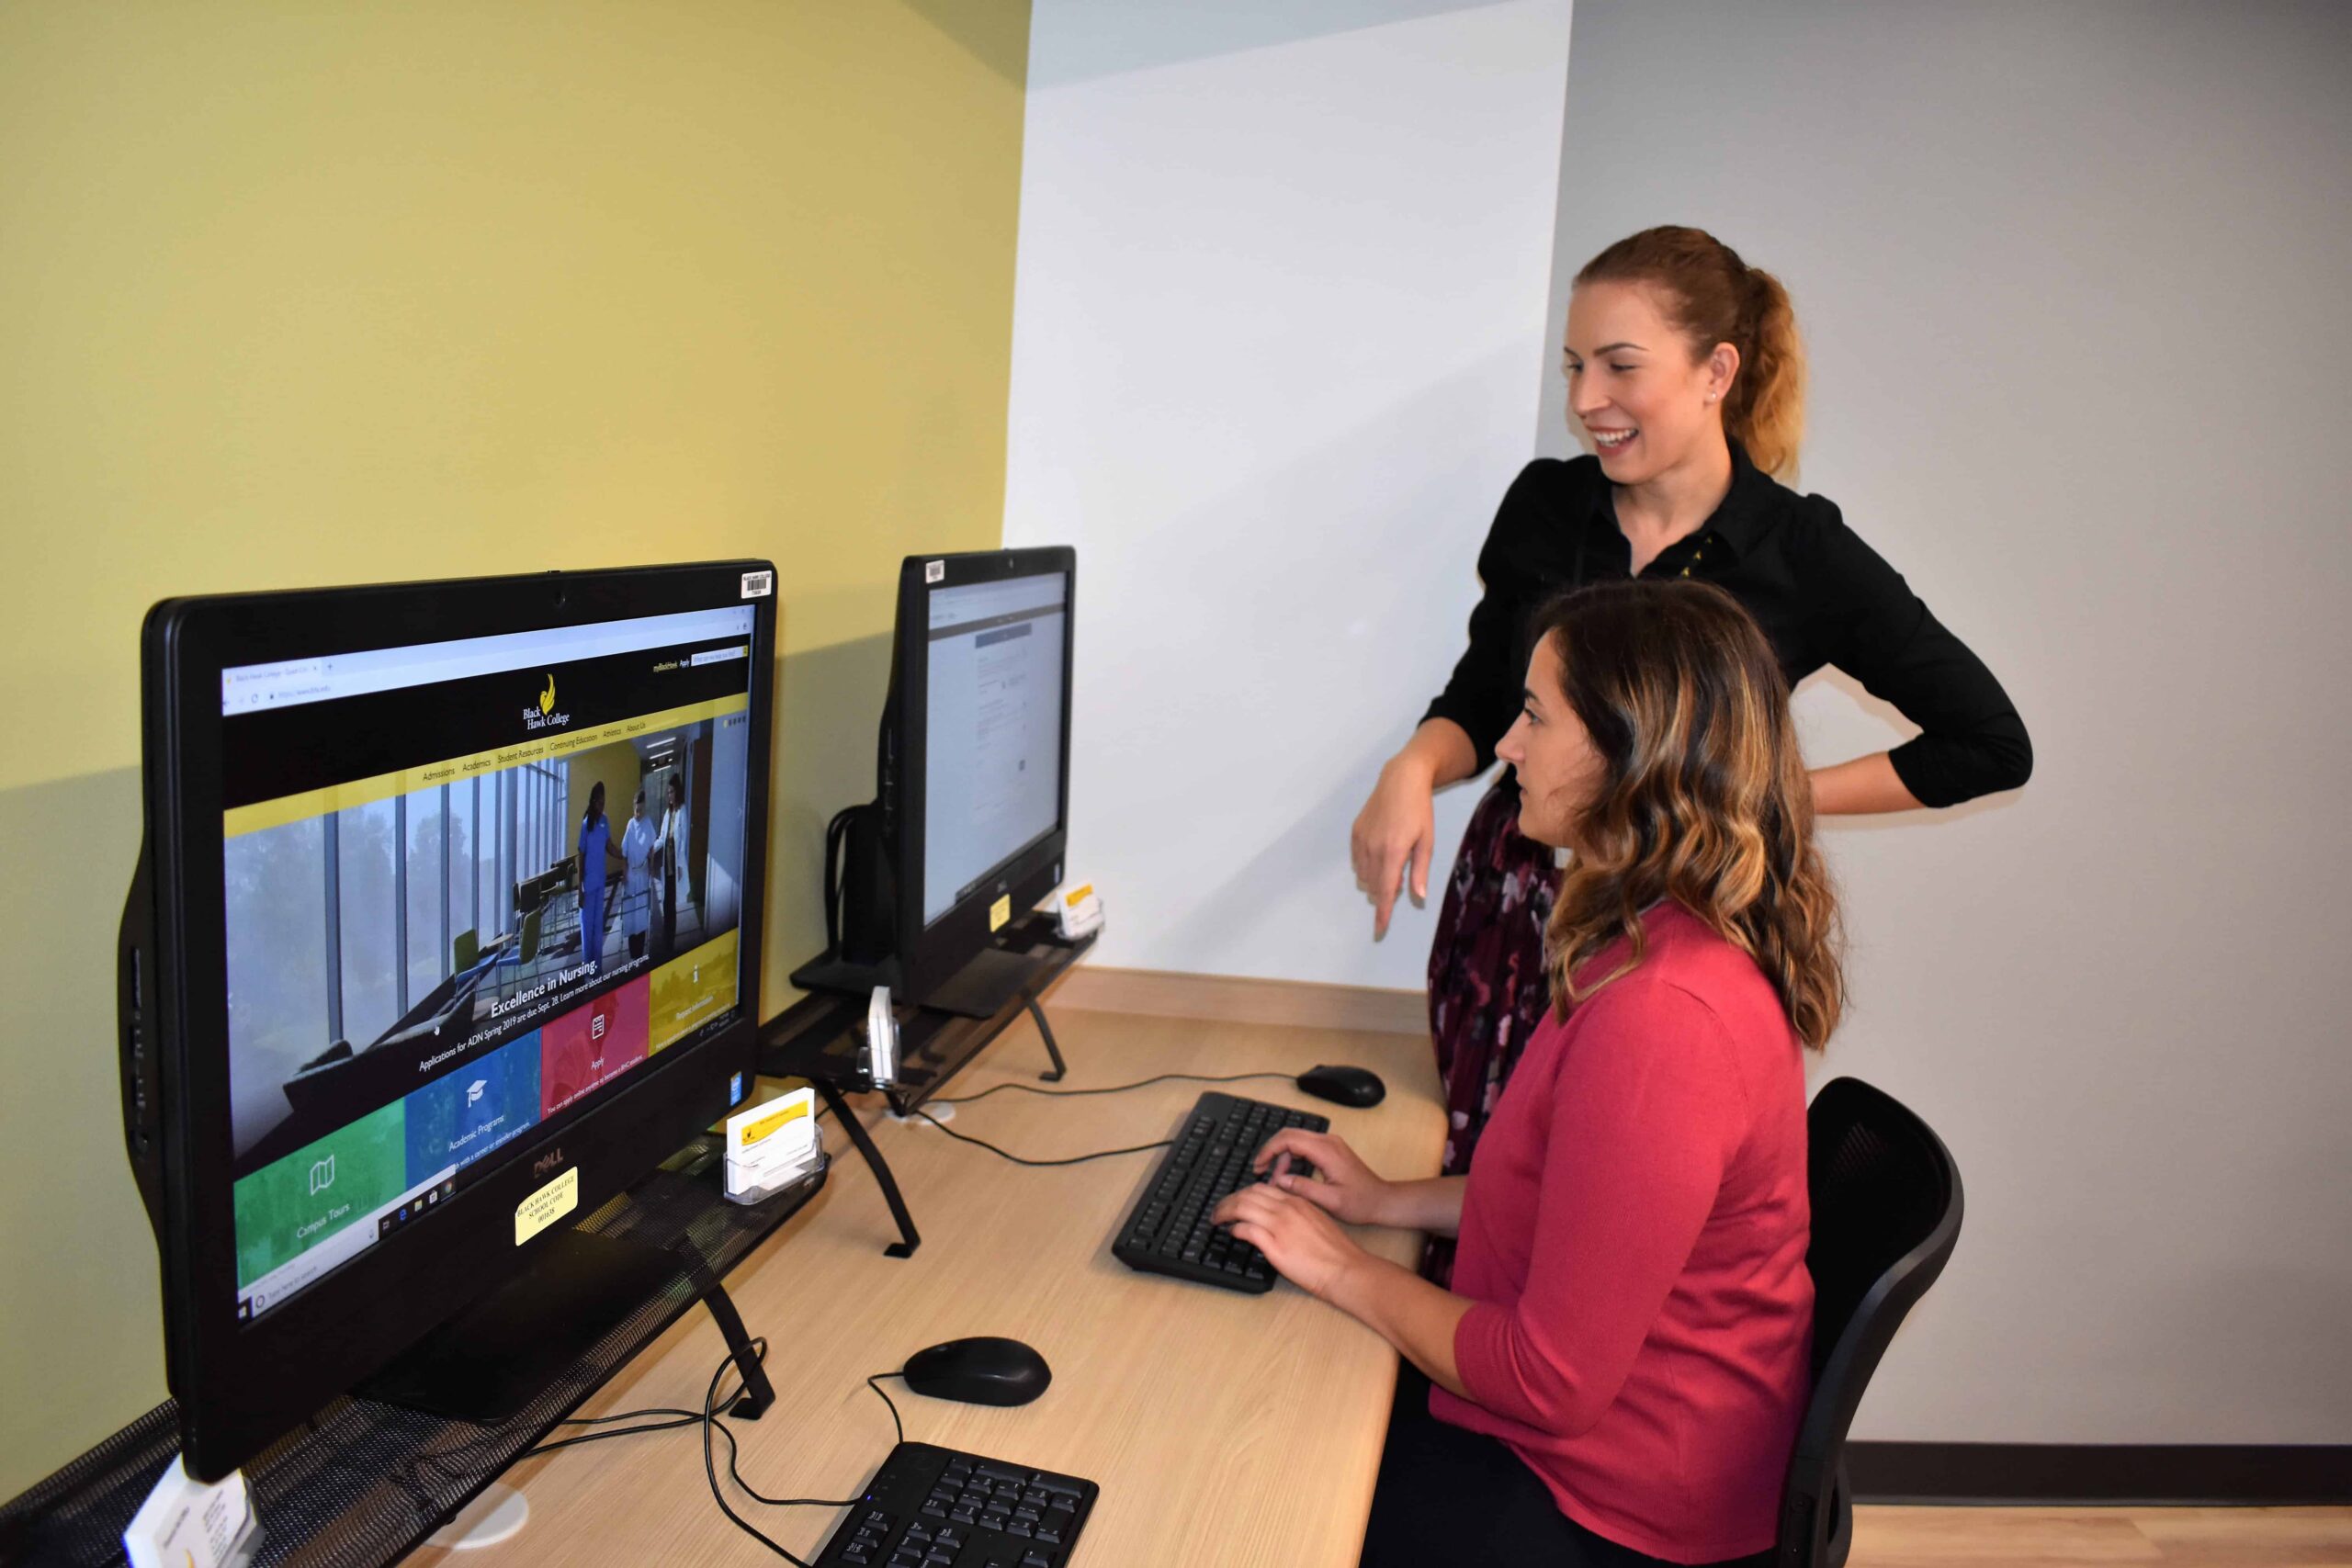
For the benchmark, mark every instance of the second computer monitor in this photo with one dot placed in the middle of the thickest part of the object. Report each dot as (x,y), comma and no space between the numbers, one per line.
(976,763)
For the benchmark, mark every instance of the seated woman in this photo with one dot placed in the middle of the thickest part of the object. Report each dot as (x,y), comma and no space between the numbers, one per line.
(1621,1363)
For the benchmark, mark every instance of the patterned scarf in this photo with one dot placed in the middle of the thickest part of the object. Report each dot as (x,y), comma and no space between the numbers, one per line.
(1487,986)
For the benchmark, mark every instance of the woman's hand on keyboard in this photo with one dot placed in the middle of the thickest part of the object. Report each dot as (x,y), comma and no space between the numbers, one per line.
(1347,1188)
(1305,1245)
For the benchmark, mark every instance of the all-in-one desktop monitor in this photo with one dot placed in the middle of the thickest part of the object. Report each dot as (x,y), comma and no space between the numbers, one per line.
(411,980)
(972,809)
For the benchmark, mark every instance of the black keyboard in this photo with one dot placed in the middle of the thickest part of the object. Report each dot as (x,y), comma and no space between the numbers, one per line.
(931,1508)
(1169,1231)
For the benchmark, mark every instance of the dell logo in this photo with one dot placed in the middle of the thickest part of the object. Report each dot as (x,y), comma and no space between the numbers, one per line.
(546,1162)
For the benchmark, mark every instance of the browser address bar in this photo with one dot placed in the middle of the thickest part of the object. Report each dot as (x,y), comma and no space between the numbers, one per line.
(354,674)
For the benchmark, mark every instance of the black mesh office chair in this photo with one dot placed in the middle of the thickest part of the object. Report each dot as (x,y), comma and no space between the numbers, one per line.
(1886,1208)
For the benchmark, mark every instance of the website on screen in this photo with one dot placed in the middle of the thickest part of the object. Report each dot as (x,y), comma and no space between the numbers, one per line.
(468,885)
(994,732)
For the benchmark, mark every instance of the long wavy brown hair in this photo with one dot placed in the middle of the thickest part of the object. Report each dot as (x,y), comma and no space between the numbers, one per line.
(1703,799)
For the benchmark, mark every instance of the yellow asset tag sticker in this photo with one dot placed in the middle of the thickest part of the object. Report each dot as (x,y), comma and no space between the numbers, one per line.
(1000,912)
(546,1206)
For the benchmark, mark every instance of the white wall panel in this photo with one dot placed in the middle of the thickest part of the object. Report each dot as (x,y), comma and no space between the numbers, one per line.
(1278,335)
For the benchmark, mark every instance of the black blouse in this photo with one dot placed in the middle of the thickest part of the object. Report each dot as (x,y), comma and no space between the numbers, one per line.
(1821,594)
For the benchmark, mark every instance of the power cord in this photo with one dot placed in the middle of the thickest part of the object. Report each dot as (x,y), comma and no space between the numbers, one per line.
(1058,1093)
(874,1383)
(709,1420)
(1017,1159)
(1112,1088)
(679,1417)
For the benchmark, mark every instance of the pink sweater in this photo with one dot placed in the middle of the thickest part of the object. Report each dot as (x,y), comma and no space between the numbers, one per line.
(1634,1234)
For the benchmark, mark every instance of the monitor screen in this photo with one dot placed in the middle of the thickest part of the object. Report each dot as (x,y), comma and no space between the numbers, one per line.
(469,886)
(993,730)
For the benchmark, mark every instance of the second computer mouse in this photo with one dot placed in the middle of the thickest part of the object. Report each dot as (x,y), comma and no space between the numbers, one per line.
(985,1371)
(1346,1086)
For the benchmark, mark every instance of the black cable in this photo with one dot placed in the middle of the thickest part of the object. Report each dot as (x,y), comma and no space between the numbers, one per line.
(710,1421)
(874,1383)
(710,1469)
(1113,1088)
(683,1418)
(1058,1093)
(625,1415)
(1017,1159)
(735,1474)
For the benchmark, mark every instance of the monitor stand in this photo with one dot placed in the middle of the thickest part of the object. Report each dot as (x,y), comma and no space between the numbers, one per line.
(992,981)
(491,1360)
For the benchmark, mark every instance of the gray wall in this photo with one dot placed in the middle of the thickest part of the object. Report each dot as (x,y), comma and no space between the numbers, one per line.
(2073,278)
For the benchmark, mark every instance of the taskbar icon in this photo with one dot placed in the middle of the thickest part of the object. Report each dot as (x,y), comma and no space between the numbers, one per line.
(431,1198)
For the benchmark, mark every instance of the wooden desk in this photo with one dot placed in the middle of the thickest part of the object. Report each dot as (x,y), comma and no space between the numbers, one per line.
(1225,1429)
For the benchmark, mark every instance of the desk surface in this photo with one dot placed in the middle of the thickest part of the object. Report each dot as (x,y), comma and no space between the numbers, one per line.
(1225,1429)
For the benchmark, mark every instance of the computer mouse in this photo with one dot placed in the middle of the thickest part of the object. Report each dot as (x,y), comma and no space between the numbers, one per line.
(985,1371)
(1346,1086)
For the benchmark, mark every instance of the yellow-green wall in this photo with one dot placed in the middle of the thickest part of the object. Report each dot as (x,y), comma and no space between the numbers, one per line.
(314,293)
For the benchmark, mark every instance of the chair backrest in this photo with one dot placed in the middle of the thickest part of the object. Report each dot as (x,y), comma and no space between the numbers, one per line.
(465,950)
(1886,1207)
(529,944)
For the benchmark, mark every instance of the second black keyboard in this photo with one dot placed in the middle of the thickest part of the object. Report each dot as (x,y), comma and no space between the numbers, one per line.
(1169,1231)
(934,1507)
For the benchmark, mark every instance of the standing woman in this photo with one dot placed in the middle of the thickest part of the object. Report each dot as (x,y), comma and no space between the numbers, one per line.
(1686,378)
(636,885)
(596,845)
(669,849)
